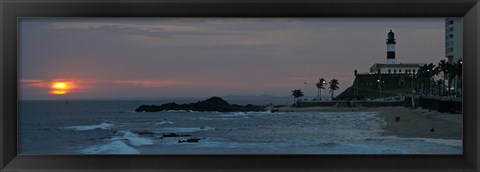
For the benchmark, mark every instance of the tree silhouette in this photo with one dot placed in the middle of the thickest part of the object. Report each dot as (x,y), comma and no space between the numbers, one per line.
(458,73)
(296,94)
(443,65)
(431,71)
(320,85)
(451,73)
(439,84)
(333,86)
(422,75)
(426,72)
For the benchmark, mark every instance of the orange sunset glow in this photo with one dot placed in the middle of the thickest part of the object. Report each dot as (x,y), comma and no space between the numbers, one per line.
(60,88)
(58,92)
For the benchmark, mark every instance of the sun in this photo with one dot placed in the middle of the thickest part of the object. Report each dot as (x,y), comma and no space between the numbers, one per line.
(59,88)
(59,85)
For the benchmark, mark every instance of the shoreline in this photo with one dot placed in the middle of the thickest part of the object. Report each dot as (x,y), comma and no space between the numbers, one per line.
(413,123)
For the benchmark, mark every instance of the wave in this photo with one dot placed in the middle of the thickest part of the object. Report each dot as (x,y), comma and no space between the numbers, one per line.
(114,147)
(133,139)
(348,148)
(419,145)
(244,114)
(228,118)
(186,130)
(240,115)
(273,144)
(164,122)
(306,147)
(178,111)
(104,126)
(119,145)
(234,114)
(447,142)
(268,112)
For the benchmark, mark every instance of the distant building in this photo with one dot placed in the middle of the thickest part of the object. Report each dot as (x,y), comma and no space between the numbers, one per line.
(454,50)
(391,67)
(402,68)
(453,39)
(391,48)
(392,77)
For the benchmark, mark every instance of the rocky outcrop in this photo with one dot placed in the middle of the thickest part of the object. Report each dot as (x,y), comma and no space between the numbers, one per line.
(176,135)
(189,140)
(211,104)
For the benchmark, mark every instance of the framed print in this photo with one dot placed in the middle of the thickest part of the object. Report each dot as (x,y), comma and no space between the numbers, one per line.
(220,86)
(249,86)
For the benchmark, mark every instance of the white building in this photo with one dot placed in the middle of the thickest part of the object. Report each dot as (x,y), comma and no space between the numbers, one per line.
(454,49)
(402,68)
(453,39)
(391,67)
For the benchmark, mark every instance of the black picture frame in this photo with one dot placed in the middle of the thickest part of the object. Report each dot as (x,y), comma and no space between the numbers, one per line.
(10,10)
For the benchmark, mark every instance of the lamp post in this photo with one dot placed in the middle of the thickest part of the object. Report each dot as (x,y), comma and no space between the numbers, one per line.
(324,83)
(380,86)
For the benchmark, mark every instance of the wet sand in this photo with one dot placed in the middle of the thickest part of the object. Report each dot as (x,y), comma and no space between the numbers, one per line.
(414,123)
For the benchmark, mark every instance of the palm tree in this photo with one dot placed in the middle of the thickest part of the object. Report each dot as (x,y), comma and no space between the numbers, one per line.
(436,72)
(451,75)
(443,67)
(439,84)
(422,73)
(458,73)
(333,86)
(431,71)
(320,85)
(296,94)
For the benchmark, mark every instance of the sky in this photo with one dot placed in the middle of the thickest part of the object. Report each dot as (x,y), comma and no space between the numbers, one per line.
(94,58)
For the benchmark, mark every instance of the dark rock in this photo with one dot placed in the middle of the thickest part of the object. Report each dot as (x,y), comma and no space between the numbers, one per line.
(211,104)
(144,132)
(190,140)
(176,135)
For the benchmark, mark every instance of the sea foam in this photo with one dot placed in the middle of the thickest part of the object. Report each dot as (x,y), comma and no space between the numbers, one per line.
(164,122)
(114,147)
(103,126)
(246,114)
(133,139)
(186,130)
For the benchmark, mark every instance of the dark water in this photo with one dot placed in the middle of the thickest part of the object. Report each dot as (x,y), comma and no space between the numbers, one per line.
(111,127)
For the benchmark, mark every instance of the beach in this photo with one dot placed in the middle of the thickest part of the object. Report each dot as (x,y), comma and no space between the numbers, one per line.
(413,123)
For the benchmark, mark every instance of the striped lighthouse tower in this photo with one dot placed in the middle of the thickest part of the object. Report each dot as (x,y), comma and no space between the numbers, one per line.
(391,48)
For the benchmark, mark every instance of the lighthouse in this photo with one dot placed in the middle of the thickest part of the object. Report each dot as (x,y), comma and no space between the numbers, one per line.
(391,48)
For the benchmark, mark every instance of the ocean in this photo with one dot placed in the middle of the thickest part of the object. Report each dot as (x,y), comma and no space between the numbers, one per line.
(112,127)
